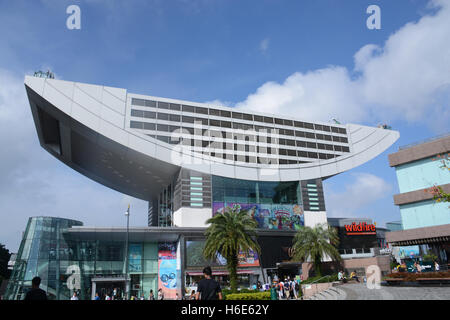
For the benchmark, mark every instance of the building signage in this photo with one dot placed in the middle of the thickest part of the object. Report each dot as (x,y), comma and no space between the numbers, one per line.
(362,228)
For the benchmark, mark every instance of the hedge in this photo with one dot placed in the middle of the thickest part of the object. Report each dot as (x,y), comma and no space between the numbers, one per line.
(248,296)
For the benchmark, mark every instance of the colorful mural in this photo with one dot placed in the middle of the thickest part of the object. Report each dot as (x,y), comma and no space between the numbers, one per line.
(167,269)
(135,258)
(269,216)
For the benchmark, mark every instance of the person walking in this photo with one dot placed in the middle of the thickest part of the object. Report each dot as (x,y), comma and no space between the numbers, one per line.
(208,288)
(74,296)
(35,293)
(160,294)
(151,296)
(192,296)
(96,296)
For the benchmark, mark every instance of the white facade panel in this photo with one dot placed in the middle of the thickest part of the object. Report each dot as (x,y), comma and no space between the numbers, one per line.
(192,217)
(95,92)
(313,218)
(56,98)
(86,101)
(37,84)
(113,102)
(64,87)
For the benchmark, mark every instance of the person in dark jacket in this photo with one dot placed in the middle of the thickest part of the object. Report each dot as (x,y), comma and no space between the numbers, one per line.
(35,293)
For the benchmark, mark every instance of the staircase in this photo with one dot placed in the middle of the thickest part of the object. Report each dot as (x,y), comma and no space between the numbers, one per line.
(333,293)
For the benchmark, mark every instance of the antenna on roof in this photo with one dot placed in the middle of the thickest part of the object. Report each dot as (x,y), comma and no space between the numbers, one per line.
(42,74)
(335,121)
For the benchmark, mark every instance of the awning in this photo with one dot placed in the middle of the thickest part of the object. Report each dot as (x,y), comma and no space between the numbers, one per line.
(218,273)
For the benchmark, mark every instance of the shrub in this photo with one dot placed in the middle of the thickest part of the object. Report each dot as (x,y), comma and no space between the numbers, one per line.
(408,276)
(248,296)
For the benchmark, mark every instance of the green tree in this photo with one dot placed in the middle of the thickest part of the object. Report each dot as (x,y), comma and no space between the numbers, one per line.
(436,191)
(315,243)
(228,234)
(4,259)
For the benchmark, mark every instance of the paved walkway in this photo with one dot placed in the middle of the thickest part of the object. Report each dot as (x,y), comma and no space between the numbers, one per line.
(357,291)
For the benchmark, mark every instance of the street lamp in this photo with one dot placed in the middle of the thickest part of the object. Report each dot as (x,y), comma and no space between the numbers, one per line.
(127,283)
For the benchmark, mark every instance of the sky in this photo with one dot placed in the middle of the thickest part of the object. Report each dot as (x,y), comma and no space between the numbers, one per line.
(316,60)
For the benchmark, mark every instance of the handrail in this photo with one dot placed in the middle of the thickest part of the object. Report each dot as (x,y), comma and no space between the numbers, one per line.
(319,279)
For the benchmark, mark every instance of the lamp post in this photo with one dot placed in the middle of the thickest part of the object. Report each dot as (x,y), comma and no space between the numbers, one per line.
(127,283)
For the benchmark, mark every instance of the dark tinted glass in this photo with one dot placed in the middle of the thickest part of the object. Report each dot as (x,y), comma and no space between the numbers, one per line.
(175,106)
(150,103)
(138,102)
(188,108)
(163,105)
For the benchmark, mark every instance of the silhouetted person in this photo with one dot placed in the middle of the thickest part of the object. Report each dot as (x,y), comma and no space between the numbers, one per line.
(35,293)
(208,289)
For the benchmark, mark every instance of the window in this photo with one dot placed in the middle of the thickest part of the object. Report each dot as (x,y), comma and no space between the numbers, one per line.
(278,121)
(202,121)
(345,149)
(162,127)
(163,105)
(149,126)
(163,116)
(174,106)
(248,117)
(299,134)
(334,129)
(288,122)
(188,109)
(201,110)
(292,153)
(214,112)
(174,117)
(187,119)
(258,118)
(215,123)
(312,155)
(136,124)
(237,115)
(337,148)
(224,113)
(298,124)
(310,135)
(150,103)
(301,144)
(290,142)
(268,120)
(308,125)
(149,114)
(138,102)
(137,113)
(311,145)
(225,124)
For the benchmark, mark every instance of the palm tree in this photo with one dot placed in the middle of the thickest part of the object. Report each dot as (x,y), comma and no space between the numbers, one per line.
(315,243)
(230,232)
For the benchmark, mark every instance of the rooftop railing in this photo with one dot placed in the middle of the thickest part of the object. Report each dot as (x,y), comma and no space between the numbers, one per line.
(425,141)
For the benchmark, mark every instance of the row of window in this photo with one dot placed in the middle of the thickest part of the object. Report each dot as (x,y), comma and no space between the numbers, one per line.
(234,115)
(244,137)
(250,148)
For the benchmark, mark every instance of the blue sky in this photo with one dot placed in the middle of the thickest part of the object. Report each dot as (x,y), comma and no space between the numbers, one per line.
(248,54)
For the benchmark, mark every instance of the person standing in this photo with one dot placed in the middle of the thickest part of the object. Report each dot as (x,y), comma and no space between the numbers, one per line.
(273,293)
(436,266)
(151,296)
(208,288)
(35,293)
(74,296)
(96,297)
(160,294)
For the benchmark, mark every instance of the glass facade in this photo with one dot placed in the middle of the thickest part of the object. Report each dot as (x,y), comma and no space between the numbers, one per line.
(66,263)
(273,205)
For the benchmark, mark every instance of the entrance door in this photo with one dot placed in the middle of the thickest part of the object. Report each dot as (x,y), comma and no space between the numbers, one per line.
(107,288)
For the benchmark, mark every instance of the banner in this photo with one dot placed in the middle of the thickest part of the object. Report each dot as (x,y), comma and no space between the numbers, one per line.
(167,269)
(269,216)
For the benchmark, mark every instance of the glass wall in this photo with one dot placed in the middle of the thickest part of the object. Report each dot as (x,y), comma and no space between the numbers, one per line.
(273,205)
(65,264)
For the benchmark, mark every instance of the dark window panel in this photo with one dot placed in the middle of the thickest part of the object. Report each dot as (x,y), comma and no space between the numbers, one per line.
(282,152)
(175,106)
(215,123)
(312,155)
(136,125)
(190,130)
(298,124)
(214,112)
(201,110)
(326,128)
(337,148)
(188,108)
(311,145)
(173,128)
(310,135)
(344,140)
(288,132)
(268,120)
(292,153)
(342,130)
(225,124)
(258,118)
(346,149)
(318,127)
(226,114)
(278,121)
(327,137)
(202,121)
(282,141)
(174,117)
(163,105)
(334,129)
(301,144)
(150,114)
(150,103)
(237,115)
(308,125)
(319,136)
(187,119)
(288,122)
(322,156)
(138,102)
(302,154)
(299,134)
(137,113)
(321,146)
(337,139)
(149,126)
(163,138)
(246,116)
(163,116)
(290,142)
(329,147)
(162,127)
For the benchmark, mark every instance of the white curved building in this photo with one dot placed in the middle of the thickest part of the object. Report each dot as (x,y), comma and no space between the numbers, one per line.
(191,160)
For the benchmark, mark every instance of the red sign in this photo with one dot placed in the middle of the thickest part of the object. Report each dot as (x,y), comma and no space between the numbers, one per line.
(361,228)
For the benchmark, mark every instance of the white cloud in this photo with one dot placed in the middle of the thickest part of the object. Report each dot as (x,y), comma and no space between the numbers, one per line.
(359,193)
(34,183)
(264,45)
(408,78)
